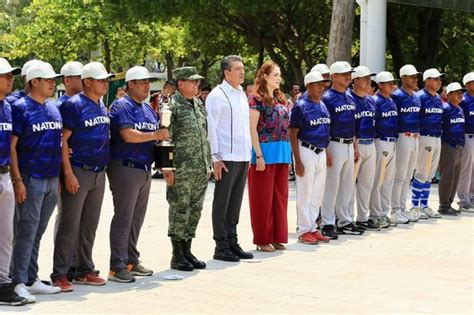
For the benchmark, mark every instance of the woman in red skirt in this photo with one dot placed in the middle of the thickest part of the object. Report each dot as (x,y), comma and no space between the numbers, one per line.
(271,154)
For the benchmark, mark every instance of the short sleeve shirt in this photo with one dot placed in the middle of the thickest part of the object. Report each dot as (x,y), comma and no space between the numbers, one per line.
(39,131)
(313,121)
(90,126)
(126,113)
(5,132)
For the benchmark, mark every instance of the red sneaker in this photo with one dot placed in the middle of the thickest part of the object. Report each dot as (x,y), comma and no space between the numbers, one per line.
(89,278)
(320,237)
(308,238)
(64,284)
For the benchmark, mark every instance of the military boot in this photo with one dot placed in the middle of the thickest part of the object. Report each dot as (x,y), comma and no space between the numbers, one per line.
(178,261)
(198,264)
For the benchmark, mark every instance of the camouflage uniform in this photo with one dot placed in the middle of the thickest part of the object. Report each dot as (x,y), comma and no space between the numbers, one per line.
(192,160)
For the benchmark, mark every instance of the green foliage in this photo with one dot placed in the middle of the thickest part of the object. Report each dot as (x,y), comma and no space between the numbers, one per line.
(294,34)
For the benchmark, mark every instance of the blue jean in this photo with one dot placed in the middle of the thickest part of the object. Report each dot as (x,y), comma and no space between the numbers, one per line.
(32,220)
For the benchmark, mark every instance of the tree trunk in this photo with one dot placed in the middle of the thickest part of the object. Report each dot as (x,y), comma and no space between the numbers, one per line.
(394,42)
(108,58)
(429,25)
(340,36)
(169,65)
(261,55)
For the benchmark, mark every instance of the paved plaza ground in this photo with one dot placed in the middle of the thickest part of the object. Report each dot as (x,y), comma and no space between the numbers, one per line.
(426,267)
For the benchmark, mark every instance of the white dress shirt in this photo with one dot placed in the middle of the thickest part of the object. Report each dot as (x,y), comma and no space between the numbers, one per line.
(228,124)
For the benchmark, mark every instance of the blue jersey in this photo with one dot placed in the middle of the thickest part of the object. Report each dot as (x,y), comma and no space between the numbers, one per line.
(364,117)
(90,126)
(15,96)
(467,105)
(408,107)
(5,132)
(386,117)
(453,125)
(38,128)
(431,114)
(342,110)
(62,100)
(313,121)
(126,113)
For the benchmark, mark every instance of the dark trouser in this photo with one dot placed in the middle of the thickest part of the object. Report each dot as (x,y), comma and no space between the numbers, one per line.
(228,195)
(130,191)
(268,199)
(186,198)
(32,220)
(78,222)
(449,167)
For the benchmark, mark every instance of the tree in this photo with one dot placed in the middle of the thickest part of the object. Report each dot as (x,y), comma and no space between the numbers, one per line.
(430,37)
(292,33)
(59,31)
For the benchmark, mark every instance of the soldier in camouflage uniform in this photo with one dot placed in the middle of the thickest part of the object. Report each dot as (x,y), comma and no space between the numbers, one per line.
(187,185)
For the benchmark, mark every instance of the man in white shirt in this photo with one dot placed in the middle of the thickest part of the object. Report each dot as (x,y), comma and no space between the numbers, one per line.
(229,137)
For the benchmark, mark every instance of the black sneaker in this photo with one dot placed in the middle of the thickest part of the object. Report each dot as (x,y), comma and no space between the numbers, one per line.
(8,296)
(350,229)
(121,276)
(328,230)
(368,225)
(448,211)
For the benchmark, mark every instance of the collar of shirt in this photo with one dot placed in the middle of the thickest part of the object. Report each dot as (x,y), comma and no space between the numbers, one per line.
(307,99)
(181,99)
(87,98)
(132,101)
(229,88)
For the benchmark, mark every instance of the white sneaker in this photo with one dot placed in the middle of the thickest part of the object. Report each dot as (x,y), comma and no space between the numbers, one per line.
(399,218)
(40,288)
(431,213)
(420,213)
(22,291)
(411,215)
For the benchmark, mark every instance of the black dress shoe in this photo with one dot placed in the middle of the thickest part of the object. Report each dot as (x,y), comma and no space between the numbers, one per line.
(448,211)
(238,251)
(225,254)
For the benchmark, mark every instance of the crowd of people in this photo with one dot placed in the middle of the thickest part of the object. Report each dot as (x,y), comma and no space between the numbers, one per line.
(358,149)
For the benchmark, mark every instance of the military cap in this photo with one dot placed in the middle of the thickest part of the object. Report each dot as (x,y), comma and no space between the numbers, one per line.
(186,73)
